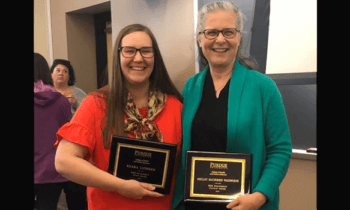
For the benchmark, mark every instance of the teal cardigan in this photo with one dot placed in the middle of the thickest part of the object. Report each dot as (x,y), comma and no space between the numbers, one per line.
(256,124)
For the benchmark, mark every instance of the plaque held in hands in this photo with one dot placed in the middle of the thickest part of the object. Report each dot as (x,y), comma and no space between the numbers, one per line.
(144,161)
(216,177)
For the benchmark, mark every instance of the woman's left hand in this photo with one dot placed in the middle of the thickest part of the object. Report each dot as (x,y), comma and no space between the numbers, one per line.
(248,202)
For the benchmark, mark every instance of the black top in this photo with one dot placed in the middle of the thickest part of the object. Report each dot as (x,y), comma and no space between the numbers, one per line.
(209,126)
(209,129)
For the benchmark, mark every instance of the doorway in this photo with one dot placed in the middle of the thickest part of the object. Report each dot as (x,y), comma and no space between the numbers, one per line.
(103,38)
(87,45)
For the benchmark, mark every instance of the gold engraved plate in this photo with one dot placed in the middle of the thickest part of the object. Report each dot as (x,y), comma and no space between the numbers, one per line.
(216,177)
(144,161)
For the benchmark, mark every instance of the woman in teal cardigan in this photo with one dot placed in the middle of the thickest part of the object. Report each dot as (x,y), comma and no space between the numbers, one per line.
(229,107)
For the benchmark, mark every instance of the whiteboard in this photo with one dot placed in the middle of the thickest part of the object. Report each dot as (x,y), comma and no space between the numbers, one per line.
(292,43)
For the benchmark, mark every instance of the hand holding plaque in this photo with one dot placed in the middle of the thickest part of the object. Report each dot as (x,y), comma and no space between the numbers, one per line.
(144,161)
(213,177)
(137,190)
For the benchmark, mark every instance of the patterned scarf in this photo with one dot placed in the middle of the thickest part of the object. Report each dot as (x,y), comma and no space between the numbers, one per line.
(145,128)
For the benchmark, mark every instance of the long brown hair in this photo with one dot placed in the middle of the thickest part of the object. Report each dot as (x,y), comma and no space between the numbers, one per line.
(116,92)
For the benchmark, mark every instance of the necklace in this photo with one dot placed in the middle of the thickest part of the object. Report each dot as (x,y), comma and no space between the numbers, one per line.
(219,89)
(222,86)
(228,77)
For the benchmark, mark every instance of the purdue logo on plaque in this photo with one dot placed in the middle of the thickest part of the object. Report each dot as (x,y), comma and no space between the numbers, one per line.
(142,160)
(214,177)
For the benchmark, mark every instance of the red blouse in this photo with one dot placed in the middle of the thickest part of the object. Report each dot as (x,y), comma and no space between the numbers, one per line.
(85,129)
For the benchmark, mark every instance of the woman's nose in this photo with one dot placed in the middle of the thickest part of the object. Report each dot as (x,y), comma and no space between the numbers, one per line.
(220,38)
(138,56)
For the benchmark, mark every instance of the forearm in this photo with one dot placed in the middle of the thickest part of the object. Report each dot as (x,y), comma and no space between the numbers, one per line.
(82,172)
(71,164)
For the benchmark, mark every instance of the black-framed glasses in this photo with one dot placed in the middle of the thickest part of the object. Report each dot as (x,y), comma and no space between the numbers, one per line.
(228,33)
(130,52)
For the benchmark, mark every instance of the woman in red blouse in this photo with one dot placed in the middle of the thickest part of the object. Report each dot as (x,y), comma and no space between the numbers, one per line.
(140,102)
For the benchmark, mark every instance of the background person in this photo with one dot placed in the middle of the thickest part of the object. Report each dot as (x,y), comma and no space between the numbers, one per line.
(51,111)
(63,77)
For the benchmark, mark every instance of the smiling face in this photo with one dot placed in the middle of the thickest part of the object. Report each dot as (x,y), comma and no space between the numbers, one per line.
(136,70)
(220,52)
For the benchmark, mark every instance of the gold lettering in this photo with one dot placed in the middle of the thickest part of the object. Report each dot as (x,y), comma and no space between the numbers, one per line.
(147,168)
(143,154)
(220,186)
(131,166)
(215,180)
(231,180)
(218,173)
(218,165)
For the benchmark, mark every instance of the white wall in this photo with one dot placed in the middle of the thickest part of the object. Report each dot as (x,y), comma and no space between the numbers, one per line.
(292,37)
(41,30)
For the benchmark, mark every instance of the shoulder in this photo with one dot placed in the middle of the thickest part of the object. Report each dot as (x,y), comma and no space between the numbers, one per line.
(173,102)
(94,101)
(253,77)
(259,77)
(173,108)
(265,83)
(195,80)
(265,86)
(90,111)
(78,90)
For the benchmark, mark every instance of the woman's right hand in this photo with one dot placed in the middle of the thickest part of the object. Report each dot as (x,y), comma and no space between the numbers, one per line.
(137,190)
(70,162)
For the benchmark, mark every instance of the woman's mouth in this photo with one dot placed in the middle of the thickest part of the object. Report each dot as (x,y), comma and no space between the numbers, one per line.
(137,68)
(220,50)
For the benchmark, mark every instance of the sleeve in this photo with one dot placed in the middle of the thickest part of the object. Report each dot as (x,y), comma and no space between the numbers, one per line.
(277,141)
(80,95)
(82,128)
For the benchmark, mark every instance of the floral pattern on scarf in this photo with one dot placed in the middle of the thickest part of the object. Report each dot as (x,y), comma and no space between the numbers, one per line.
(145,128)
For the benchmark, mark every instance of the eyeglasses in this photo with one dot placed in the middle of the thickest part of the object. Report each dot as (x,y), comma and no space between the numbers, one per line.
(228,33)
(130,52)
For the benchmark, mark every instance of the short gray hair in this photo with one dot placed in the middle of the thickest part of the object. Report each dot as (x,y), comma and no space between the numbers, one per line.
(224,6)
